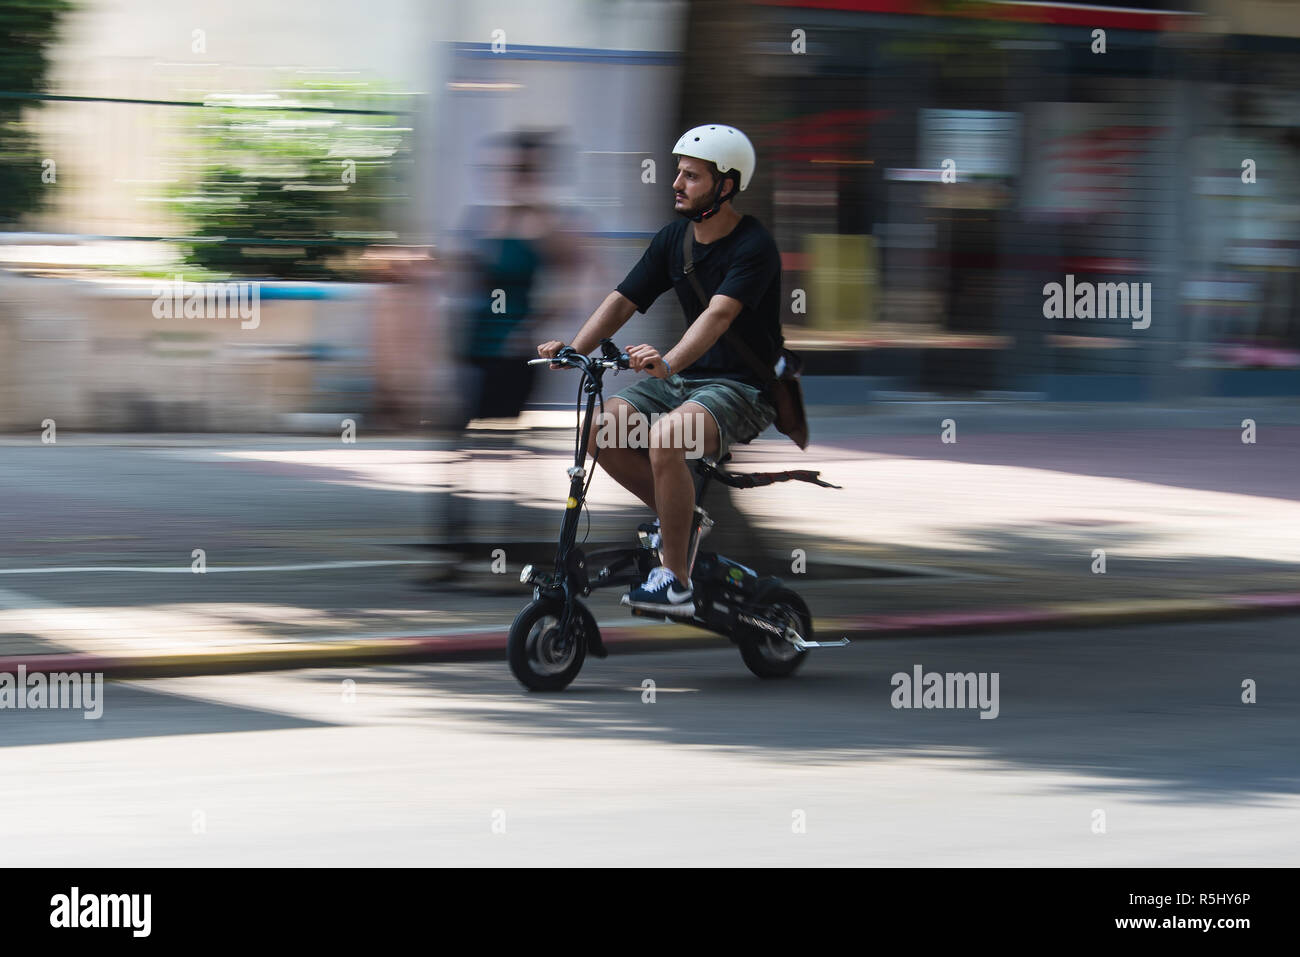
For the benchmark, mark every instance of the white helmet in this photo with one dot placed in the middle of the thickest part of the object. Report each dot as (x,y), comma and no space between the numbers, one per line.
(724,146)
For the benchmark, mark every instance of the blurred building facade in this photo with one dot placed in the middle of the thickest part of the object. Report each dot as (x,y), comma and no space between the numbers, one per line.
(1170,159)
(1120,166)
(602,73)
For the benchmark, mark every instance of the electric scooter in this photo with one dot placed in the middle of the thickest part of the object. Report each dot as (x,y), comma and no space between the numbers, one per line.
(552,636)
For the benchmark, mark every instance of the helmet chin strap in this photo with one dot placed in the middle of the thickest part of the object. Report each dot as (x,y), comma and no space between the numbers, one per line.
(718,200)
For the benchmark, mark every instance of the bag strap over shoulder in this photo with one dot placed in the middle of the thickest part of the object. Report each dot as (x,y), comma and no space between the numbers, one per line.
(732,338)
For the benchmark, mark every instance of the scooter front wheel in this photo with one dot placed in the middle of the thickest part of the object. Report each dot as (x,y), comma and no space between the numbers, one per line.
(540,656)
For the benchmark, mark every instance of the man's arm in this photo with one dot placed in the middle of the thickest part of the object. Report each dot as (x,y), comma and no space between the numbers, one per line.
(700,336)
(609,317)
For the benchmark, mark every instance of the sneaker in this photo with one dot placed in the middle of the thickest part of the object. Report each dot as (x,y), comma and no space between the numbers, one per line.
(651,529)
(661,593)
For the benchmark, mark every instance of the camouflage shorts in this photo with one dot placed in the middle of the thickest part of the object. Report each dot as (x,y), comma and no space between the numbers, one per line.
(740,411)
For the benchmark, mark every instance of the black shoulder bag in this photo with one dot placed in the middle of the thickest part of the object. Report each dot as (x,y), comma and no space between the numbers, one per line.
(784,391)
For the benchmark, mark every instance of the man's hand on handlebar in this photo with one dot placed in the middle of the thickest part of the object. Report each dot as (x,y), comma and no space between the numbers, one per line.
(549,350)
(647,359)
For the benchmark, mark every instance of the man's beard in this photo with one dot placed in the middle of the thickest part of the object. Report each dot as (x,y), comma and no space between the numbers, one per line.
(703,205)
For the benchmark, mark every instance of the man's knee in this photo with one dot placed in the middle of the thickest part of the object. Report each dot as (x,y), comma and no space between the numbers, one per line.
(688,432)
(670,440)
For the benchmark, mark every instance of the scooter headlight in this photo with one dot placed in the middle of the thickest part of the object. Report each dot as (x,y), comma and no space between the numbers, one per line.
(526,575)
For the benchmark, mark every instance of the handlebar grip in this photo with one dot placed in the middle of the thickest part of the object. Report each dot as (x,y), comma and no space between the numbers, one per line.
(563,357)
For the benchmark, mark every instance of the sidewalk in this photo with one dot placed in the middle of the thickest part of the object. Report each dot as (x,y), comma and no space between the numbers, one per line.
(311,560)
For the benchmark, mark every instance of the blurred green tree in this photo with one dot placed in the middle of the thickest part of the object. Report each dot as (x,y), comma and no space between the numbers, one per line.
(27,30)
(299,183)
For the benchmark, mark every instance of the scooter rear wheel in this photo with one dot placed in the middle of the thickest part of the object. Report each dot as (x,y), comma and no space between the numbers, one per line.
(772,656)
(540,656)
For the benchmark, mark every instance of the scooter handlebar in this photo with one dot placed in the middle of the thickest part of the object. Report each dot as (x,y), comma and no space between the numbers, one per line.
(576,359)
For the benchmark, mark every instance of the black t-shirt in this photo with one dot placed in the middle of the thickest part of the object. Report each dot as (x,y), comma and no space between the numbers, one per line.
(745,265)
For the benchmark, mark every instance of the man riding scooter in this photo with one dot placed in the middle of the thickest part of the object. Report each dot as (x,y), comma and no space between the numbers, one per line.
(709,375)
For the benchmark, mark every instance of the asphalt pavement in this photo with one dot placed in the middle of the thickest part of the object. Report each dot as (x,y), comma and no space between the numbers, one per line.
(1115,746)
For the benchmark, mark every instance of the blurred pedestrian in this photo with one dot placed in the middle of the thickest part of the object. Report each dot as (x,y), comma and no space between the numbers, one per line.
(517,262)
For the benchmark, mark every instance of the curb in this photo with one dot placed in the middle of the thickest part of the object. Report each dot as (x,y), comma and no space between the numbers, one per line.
(641,638)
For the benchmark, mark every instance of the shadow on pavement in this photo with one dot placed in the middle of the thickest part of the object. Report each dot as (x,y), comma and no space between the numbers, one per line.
(1148,711)
(130,711)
